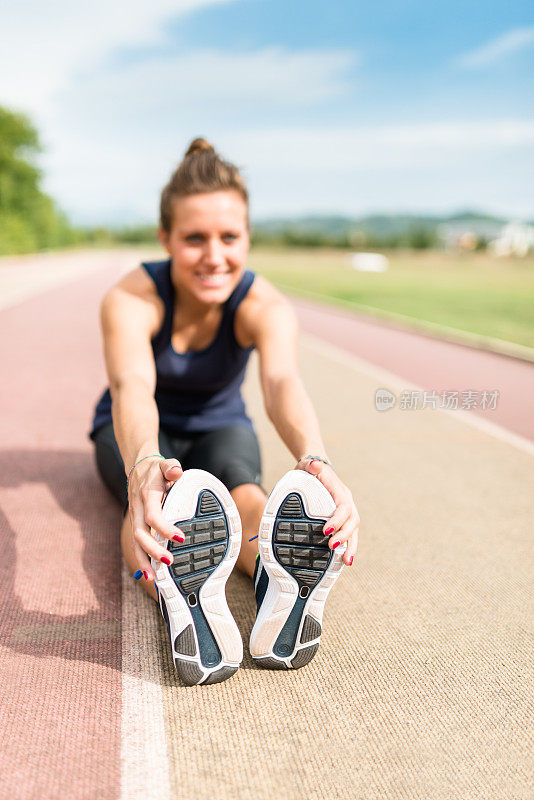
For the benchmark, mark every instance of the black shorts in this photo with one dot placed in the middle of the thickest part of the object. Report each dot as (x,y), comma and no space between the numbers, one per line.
(232,454)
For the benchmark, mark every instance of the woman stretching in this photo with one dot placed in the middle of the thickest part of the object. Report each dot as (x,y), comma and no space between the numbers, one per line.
(177,337)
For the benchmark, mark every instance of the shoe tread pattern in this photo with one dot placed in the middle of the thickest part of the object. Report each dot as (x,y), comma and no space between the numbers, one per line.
(185,642)
(270,663)
(310,630)
(304,656)
(189,672)
(219,675)
(301,547)
(299,543)
(205,546)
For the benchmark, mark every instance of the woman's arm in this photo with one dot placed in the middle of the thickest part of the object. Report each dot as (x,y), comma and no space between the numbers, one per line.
(127,321)
(275,332)
(287,403)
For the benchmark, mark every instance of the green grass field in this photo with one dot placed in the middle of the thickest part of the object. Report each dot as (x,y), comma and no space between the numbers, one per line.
(472,292)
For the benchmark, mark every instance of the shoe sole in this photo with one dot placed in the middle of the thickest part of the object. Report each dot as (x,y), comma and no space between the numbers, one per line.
(301,568)
(205,641)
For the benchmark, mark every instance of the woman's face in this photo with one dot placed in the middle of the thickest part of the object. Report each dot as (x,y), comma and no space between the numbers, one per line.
(208,244)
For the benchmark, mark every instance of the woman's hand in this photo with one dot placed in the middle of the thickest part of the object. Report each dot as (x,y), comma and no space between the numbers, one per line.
(148,483)
(344,523)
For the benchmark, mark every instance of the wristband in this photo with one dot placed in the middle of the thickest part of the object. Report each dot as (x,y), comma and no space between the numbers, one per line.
(314,458)
(154,455)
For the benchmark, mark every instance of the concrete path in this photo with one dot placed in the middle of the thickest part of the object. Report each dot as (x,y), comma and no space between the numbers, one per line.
(422,686)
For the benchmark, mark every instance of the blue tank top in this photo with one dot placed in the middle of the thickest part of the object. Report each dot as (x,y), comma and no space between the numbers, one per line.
(197,390)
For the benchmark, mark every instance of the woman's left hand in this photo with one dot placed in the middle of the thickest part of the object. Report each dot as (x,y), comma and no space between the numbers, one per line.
(344,523)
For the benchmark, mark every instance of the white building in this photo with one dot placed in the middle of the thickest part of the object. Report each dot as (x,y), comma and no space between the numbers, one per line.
(515,239)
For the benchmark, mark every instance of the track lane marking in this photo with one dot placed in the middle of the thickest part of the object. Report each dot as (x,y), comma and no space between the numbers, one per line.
(145,768)
(395,381)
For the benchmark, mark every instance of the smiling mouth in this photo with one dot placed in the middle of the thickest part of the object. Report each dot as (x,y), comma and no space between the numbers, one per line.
(213,278)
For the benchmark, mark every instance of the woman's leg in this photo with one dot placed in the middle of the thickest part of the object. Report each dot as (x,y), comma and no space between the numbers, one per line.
(110,467)
(250,501)
(109,463)
(232,454)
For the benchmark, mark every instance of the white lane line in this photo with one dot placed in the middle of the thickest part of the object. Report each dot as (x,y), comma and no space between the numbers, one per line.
(391,380)
(144,755)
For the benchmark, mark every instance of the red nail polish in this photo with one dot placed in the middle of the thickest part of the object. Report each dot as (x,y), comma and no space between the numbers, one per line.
(351,560)
(145,573)
(336,544)
(328,531)
(166,560)
(178,538)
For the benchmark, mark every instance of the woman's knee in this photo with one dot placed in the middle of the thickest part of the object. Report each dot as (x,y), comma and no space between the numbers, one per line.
(250,501)
(110,467)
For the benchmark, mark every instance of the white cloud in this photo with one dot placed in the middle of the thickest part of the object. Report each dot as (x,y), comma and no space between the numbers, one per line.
(297,169)
(429,166)
(45,45)
(496,49)
(113,130)
(116,136)
(172,92)
(386,146)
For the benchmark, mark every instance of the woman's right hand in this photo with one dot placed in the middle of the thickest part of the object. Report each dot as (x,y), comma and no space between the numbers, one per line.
(148,483)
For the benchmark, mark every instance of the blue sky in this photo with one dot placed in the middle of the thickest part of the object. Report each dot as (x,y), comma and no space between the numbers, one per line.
(329,107)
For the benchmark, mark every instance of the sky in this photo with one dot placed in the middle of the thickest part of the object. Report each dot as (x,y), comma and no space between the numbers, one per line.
(334,107)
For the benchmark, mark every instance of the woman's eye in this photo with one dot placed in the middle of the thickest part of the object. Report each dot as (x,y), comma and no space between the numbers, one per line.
(198,238)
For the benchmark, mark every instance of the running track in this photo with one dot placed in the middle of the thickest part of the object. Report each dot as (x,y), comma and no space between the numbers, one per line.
(420,688)
(431,363)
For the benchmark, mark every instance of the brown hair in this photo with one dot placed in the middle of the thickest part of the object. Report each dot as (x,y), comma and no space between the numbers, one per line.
(201,170)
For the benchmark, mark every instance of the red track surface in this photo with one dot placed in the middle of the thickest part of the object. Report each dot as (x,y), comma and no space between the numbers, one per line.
(60,638)
(430,363)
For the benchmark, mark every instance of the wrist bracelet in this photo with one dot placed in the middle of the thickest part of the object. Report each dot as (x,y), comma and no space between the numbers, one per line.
(314,458)
(154,455)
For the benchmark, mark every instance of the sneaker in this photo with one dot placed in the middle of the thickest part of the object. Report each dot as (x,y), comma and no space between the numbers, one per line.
(205,642)
(295,570)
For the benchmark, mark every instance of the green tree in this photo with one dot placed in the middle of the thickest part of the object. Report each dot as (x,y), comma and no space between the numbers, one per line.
(29,219)
(421,238)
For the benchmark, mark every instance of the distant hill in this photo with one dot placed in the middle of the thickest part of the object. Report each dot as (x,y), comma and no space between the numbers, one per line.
(418,231)
(374,231)
(375,224)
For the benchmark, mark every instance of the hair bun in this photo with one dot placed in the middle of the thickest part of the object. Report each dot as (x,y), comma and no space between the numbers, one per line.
(198,146)
(200,171)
